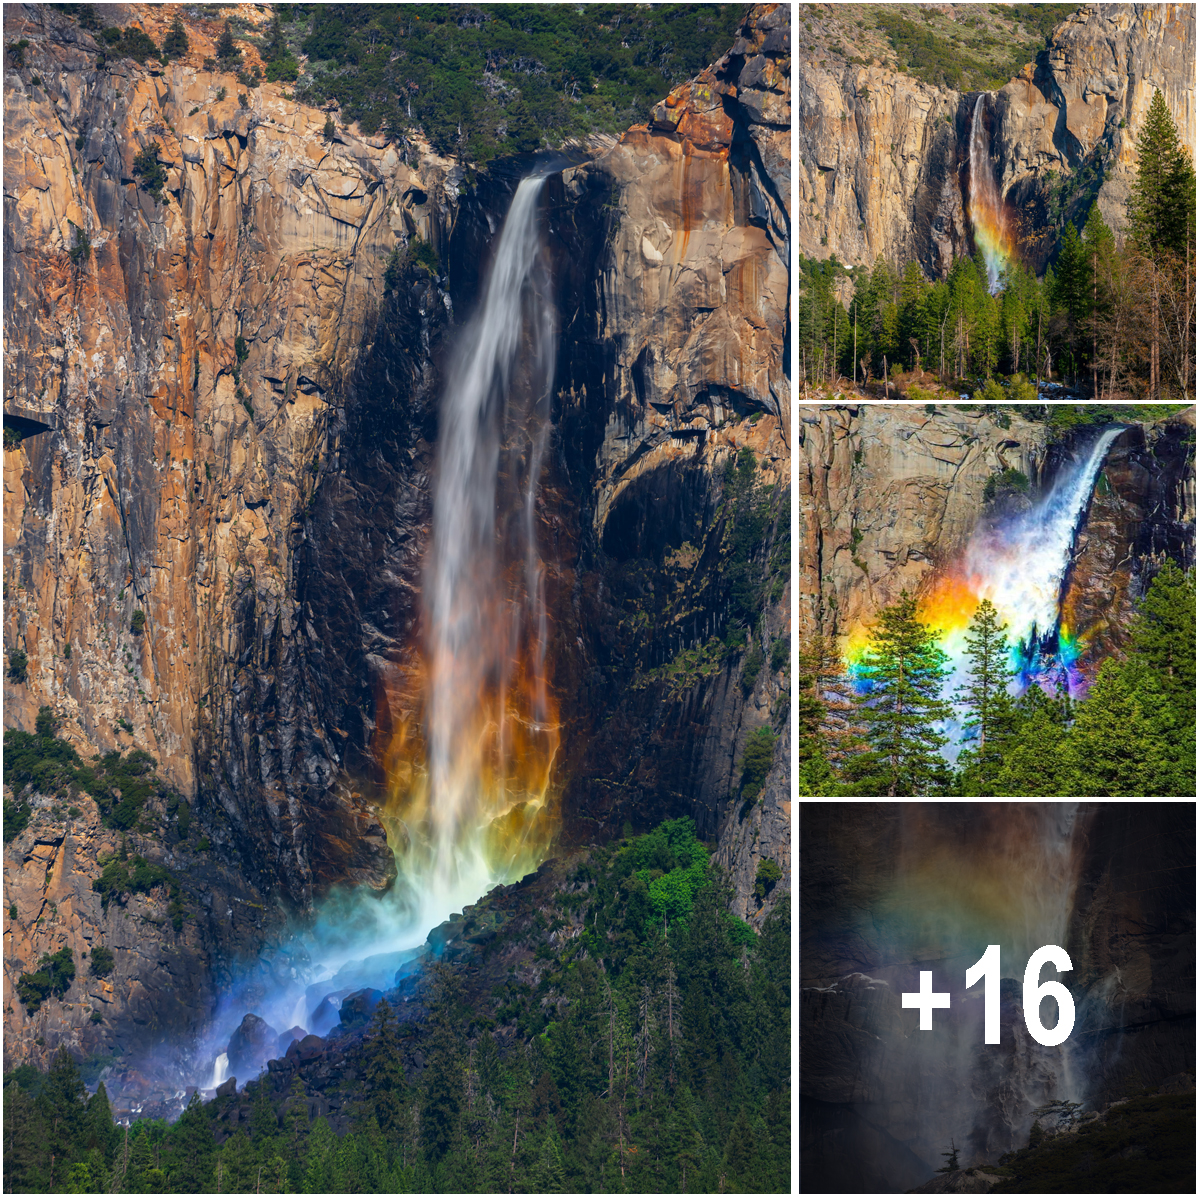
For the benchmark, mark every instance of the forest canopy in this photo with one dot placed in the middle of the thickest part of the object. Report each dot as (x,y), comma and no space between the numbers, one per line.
(490,79)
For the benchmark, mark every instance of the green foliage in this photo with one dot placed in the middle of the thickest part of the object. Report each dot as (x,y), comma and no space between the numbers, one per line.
(329,129)
(12,437)
(175,44)
(152,175)
(756,762)
(243,100)
(227,50)
(752,667)
(120,785)
(903,669)
(285,69)
(1009,482)
(81,247)
(16,51)
(699,1011)
(418,253)
(1144,1145)
(988,705)
(133,43)
(18,664)
(766,877)
(137,623)
(1162,205)
(121,879)
(500,79)
(102,960)
(241,349)
(779,653)
(54,976)
(220,94)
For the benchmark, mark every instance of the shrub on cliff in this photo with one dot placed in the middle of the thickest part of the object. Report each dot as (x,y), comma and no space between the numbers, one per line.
(151,174)
(18,664)
(54,976)
(175,44)
(121,879)
(1009,482)
(756,762)
(769,873)
(102,961)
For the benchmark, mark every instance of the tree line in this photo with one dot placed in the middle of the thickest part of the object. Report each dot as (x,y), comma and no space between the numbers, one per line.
(1113,315)
(653,1055)
(1134,734)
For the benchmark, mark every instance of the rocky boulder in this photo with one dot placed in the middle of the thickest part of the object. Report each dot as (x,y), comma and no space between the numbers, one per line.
(251,1045)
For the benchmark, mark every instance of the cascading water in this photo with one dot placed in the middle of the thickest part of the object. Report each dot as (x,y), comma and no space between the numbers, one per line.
(468,732)
(968,877)
(986,209)
(1020,564)
(470,782)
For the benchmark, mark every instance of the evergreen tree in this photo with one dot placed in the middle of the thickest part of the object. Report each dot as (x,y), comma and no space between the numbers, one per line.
(386,1090)
(1032,760)
(1164,634)
(549,1175)
(276,46)
(175,44)
(985,694)
(903,668)
(227,50)
(442,1079)
(1162,200)
(740,1165)
(1100,249)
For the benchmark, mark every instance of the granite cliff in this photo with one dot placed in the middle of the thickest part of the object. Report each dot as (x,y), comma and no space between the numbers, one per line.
(891,493)
(884,156)
(215,521)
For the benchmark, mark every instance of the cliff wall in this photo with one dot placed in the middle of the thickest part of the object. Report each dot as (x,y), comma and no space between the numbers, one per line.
(884,157)
(230,409)
(890,492)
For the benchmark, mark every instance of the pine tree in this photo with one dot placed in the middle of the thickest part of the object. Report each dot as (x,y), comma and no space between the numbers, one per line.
(175,44)
(1162,201)
(904,668)
(1099,248)
(1164,634)
(741,1156)
(226,49)
(276,46)
(989,707)
(1032,751)
(1161,213)
(443,1077)
(386,1091)
(951,1157)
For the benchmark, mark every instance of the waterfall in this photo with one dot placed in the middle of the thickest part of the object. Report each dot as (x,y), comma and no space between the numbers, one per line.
(986,208)
(220,1070)
(1020,564)
(468,730)
(968,876)
(470,782)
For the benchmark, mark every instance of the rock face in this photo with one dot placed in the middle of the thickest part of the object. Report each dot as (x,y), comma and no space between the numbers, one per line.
(163,983)
(230,421)
(251,1044)
(888,493)
(1143,512)
(884,157)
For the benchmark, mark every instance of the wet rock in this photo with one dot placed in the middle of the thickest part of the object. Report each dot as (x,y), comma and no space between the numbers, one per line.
(228,1088)
(310,1047)
(289,1036)
(357,1008)
(250,1045)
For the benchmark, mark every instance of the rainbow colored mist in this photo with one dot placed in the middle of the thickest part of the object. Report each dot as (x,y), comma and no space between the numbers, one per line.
(986,208)
(1020,565)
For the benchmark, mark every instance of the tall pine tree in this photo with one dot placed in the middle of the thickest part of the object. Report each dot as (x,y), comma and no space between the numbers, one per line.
(903,668)
(985,695)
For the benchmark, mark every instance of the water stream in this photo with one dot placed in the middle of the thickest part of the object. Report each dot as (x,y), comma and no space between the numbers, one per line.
(986,208)
(469,731)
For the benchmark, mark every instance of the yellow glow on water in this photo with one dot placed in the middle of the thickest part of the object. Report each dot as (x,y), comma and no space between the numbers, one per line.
(500,777)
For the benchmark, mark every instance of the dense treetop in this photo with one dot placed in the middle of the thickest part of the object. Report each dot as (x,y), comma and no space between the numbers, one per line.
(489,79)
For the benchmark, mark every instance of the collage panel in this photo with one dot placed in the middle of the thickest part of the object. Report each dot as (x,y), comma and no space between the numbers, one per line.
(398,527)
(995,616)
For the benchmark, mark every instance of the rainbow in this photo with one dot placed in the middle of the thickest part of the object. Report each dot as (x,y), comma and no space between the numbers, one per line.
(986,208)
(1020,565)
